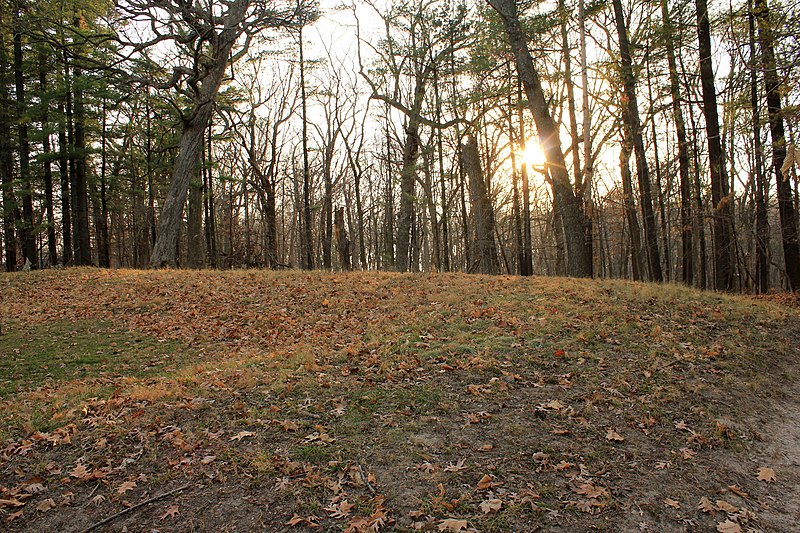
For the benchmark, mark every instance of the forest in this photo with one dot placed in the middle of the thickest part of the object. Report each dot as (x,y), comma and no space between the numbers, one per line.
(643,140)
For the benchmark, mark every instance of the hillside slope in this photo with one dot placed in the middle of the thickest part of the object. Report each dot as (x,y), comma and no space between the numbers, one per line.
(371,401)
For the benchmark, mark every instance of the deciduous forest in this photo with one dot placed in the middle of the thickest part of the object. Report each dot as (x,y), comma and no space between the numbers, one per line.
(650,141)
(412,265)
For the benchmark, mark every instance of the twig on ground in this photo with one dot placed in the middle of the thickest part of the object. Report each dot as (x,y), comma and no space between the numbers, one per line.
(364,477)
(129,509)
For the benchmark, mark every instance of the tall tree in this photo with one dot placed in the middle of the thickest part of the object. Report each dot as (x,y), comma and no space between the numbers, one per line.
(579,259)
(211,33)
(630,118)
(772,83)
(721,201)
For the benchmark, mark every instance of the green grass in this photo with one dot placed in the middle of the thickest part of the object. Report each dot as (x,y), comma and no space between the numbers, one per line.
(60,351)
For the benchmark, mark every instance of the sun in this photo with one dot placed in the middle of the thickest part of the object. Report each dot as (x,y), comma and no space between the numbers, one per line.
(533,155)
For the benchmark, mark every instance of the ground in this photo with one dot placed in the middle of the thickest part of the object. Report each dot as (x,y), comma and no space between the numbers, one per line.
(287,401)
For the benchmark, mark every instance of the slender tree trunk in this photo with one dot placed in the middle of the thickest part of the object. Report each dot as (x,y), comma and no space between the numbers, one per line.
(342,241)
(687,245)
(10,207)
(52,246)
(630,208)
(27,230)
(630,117)
(66,210)
(579,259)
(103,251)
(306,239)
(786,207)
(80,195)
(527,238)
(721,202)
(760,185)
(588,157)
(445,249)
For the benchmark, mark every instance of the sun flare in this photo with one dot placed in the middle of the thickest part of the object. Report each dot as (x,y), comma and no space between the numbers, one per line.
(533,154)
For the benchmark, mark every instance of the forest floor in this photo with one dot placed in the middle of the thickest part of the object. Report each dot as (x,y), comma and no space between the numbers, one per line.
(288,401)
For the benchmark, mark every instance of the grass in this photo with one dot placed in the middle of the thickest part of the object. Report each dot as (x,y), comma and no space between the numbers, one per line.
(421,385)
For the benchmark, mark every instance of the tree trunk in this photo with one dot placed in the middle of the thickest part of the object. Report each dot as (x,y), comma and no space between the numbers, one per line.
(66,211)
(27,232)
(760,185)
(191,142)
(630,117)
(52,249)
(194,226)
(687,246)
(484,251)
(786,208)
(630,209)
(10,208)
(721,202)
(527,239)
(342,242)
(306,238)
(80,196)
(579,259)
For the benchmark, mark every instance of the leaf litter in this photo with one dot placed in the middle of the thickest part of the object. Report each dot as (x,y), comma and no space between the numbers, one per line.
(347,383)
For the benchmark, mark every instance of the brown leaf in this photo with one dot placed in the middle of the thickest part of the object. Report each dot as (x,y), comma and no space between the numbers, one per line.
(208,459)
(485,482)
(171,511)
(126,486)
(457,467)
(738,491)
(491,506)
(289,425)
(341,510)
(46,505)
(672,503)
(13,502)
(80,472)
(724,506)
(590,490)
(766,474)
(729,527)
(706,506)
(452,524)
(13,516)
(241,435)
(613,436)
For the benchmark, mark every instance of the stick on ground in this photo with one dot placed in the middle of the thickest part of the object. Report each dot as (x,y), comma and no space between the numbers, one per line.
(129,509)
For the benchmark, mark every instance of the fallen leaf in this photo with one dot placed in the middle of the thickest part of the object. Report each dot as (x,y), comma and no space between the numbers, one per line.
(672,503)
(126,486)
(13,502)
(295,520)
(171,511)
(738,491)
(80,472)
(591,491)
(724,506)
(452,524)
(46,505)
(687,453)
(341,510)
(289,425)
(13,516)
(491,506)
(241,435)
(729,527)
(457,467)
(485,482)
(705,505)
(766,474)
(208,459)
(612,435)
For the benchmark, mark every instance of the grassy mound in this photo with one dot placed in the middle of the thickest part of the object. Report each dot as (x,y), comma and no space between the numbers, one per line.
(374,401)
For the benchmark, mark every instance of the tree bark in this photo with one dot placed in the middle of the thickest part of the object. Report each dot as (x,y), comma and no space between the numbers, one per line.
(27,230)
(10,207)
(687,246)
(342,242)
(484,251)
